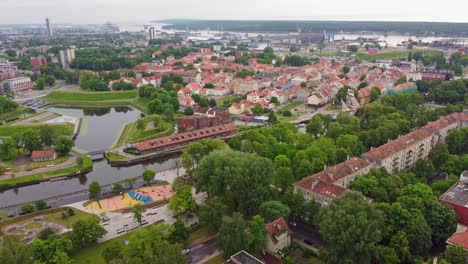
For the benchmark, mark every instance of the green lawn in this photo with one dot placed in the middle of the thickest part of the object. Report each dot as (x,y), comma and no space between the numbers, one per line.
(130,132)
(14,114)
(6,130)
(115,156)
(15,181)
(290,106)
(91,96)
(51,215)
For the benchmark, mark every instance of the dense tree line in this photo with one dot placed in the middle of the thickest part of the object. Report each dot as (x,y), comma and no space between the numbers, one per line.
(7,105)
(161,101)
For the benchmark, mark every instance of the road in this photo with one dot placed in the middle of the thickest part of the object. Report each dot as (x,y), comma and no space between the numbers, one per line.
(303,231)
(201,251)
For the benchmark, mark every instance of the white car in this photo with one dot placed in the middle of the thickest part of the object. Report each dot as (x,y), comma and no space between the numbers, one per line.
(185,251)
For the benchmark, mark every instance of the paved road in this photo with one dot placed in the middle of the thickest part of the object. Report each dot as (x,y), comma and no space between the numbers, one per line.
(201,251)
(303,231)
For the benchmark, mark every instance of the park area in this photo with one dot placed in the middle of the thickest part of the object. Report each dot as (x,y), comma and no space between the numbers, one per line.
(28,226)
(127,200)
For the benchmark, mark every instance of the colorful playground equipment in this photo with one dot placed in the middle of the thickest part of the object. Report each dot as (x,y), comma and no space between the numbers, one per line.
(139,197)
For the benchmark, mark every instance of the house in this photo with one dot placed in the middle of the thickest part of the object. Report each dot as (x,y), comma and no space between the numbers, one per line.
(332,182)
(43,155)
(460,238)
(403,152)
(457,198)
(184,93)
(279,235)
(364,95)
(243,257)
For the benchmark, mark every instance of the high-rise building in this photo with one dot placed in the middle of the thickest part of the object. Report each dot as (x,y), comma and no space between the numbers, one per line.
(66,57)
(151,33)
(49,28)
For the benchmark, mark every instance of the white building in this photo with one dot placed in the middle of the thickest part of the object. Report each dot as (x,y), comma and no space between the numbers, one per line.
(66,57)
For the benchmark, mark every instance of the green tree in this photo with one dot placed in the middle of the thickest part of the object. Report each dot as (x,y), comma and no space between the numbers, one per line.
(117,188)
(138,211)
(79,161)
(232,237)
(40,83)
(141,124)
(7,149)
(257,110)
(63,145)
(12,251)
(424,169)
(455,254)
(47,135)
(181,233)
(95,189)
(400,244)
(112,252)
(315,126)
(375,94)
(294,201)
(86,232)
(31,140)
(27,208)
(211,213)
(345,69)
(257,237)
(52,251)
(272,119)
(439,154)
(353,227)
(148,176)
(169,113)
(353,48)
(40,204)
(182,202)
(188,111)
(272,210)
(240,171)
(441,219)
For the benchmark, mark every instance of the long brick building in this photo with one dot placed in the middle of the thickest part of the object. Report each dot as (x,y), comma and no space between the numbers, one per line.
(178,141)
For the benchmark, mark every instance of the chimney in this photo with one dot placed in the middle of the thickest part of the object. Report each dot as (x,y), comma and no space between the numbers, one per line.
(347,157)
(314,183)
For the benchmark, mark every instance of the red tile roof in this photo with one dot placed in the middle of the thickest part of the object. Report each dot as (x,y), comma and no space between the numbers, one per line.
(397,145)
(277,227)
(442,122)
(39,154)
(459,239)
(183,137)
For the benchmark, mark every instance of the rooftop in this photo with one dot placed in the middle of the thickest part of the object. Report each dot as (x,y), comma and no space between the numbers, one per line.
(243,257)
(47,153)
(457,194)
(397,145)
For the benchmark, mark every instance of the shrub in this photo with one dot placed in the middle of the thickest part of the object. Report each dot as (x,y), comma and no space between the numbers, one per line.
(40,205)
(27,208)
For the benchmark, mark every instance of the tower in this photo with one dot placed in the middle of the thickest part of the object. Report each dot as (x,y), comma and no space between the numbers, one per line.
(49,28)
(151,33)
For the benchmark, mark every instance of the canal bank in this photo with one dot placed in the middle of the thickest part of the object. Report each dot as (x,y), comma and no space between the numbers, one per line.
(100,128)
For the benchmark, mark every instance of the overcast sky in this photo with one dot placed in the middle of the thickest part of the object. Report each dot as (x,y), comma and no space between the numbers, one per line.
(99,11)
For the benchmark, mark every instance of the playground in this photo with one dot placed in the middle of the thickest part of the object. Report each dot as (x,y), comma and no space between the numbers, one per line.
(142,195)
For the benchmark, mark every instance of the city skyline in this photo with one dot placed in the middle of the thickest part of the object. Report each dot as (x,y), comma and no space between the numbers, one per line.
(123,11)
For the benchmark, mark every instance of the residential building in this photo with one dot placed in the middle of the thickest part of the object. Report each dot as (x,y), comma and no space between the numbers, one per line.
(243,257)
(460,238)
(38,61)
(18,84)
(66,57)
(457,197)
(403,152)
(279,235)
(442,126)
(332,182)
(43,155)
(212,117)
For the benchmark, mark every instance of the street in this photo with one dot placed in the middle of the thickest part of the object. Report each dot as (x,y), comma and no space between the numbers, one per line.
(201,251)
(303,231)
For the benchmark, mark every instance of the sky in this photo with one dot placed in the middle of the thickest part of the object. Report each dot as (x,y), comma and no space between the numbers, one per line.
(138,11)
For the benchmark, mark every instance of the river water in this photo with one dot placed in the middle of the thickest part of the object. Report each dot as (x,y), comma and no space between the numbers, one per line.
(100,128)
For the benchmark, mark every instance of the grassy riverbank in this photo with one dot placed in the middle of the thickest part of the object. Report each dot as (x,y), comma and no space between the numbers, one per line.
(6,131)
(30,179)
(18,112)
(90,96)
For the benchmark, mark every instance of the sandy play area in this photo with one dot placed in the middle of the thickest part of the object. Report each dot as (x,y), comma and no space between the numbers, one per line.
(157,193)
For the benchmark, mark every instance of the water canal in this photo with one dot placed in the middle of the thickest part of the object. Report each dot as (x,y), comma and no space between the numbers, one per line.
(100,128)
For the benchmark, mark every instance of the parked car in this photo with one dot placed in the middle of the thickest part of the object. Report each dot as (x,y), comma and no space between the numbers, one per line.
(309,242)
(292,223)
(185,251)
